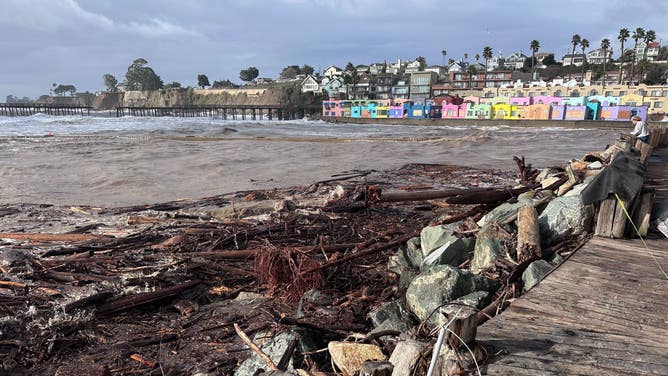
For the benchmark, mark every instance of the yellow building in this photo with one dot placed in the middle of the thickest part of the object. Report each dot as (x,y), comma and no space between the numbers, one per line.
(631,100)
(505,111)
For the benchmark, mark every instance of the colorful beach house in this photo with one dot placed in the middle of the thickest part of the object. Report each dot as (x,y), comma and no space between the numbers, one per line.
(545,99)
(538,111)
(520,101)
(604,100)
(479,111)
(505,111)
(631,100)
(331,108)
(575,112)
(623,113)
(453,111)
(396,112)
(573,101)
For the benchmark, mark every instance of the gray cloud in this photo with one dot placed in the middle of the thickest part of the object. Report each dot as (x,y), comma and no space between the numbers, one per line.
(68,41)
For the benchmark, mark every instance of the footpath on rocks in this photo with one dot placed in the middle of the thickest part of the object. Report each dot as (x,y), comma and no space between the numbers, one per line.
(366,273)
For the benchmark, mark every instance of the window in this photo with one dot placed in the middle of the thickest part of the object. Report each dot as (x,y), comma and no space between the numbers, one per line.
(642,92)
(608,93)
(543,93)
(656,93)
(532,94)
(631,103)
(658,104)
(646,104)
(665,93)
(593,92)
(557,93)
(489,95)
(575,93)
(622,93)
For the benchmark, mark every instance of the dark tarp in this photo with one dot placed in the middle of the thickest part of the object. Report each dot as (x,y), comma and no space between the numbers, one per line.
(625,176)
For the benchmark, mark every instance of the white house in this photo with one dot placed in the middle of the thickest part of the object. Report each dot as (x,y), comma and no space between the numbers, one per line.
(378,68)
(456,67)
(597,56)
(413,66)
(333,87)
(515,60)
(573,59)
(333,71)
(495,62)
(439,70)
(652,52)
(396,68)
(310,84)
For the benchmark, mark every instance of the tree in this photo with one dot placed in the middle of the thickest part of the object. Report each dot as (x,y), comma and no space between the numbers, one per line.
(224,84)
(650,36)
(605,45)
(622,37)
(487,54)
(534,46)
(549,60)
(663,53)
(471,70)
(306,69)
(110,82)
(173,85)
(638,34)
(443,54)
(422,61)
(477,57)
(62,89)
(249,74)
(584,43)
(657,74)
(290,72)
(141,77)
(575,40)
(202,81)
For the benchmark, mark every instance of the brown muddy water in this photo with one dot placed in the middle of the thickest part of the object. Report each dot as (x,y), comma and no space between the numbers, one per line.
(128,161)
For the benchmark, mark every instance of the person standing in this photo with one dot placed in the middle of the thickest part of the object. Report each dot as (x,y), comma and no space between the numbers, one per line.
(640,129)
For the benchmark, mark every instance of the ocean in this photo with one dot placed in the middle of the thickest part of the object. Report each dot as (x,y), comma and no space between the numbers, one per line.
(102,161)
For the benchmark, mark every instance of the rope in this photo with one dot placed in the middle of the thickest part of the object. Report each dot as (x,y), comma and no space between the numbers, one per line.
(619,200)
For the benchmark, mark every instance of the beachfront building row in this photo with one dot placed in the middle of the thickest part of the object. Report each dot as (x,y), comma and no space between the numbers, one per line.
(595,107)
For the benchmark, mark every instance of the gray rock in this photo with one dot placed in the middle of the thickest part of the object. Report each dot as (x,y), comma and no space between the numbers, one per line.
(564,217)
(406,355)
(274,349)
(489,247)
(441,284)
(504,211)
(555,259)
(315,296)
(595,165)
(406,261)
(370,368)
(413,251)
(453,252)
(534,273)
(389,310)
(577,189)
(391,316)
(433,237)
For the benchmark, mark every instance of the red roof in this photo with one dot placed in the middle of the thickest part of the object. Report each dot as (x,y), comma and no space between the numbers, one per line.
(654,44)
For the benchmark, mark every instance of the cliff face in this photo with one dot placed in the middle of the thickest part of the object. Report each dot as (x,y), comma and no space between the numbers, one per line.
(195,97)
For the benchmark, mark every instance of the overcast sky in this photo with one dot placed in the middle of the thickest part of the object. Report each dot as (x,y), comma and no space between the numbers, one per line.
(76,42)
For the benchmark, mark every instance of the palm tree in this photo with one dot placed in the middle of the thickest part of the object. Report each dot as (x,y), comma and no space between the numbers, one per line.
(605,45)
(443,53)
(487,54)
(650,36)
(575,40)
(477,57)
(534,45)
(584,43)
(622,37)
(638,34)
(466,56)
(471,70)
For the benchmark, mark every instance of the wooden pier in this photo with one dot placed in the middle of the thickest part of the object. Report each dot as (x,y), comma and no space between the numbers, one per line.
(604,311)
(238,112)
(27,109)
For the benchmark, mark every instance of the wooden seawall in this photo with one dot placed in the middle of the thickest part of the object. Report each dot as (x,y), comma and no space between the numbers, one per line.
(604,311)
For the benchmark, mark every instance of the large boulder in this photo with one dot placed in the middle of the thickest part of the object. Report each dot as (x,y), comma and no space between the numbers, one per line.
(505,210)
(406,262)
(564,217)
(453,252)
(439,285)
(391,316)
(489,247)
(535,272)
(477,299)
(274,349)
(433,237)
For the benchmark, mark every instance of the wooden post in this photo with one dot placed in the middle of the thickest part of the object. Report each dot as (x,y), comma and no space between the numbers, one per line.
(528,234)
(643,212)
(606,213)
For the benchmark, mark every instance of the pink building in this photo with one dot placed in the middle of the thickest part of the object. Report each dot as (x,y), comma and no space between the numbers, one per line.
(453,111)
(544,99)
(520,101)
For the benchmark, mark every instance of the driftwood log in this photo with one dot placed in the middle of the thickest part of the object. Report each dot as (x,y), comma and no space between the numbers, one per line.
(528,234)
